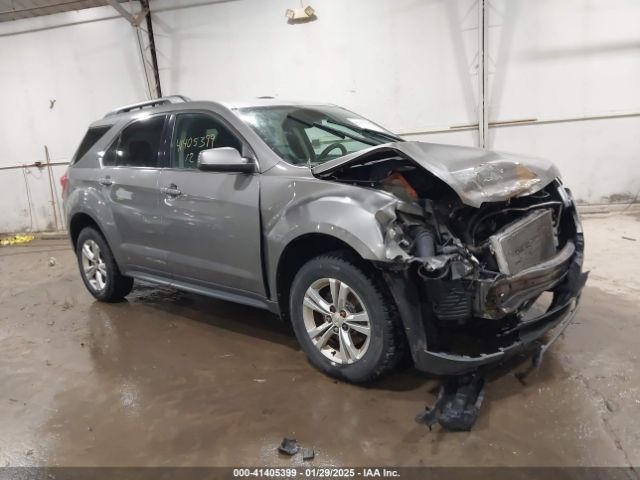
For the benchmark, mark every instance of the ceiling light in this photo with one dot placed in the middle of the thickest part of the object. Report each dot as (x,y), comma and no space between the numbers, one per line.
(301,14)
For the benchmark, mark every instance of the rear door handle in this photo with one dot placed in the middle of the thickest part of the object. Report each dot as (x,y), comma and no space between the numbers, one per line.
(171,191)
(106,181)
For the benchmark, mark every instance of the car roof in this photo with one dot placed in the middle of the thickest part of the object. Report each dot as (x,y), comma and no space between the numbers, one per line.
(178,102)
(266,102)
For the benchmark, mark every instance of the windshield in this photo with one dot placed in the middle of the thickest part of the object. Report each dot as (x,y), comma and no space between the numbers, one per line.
(314,134)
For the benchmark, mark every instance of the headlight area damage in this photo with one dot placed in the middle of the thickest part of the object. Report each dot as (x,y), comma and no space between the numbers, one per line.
(484,257)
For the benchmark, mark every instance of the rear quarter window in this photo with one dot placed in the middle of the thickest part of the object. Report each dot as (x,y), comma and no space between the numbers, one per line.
(137,145)
(90,138)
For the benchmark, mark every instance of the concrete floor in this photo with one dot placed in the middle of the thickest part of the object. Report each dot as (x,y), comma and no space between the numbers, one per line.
(175,379)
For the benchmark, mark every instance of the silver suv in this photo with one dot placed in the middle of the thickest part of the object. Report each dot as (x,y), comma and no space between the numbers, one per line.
(369,245)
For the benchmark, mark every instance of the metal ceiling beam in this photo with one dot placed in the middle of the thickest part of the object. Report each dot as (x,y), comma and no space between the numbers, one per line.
(132,19)
(19,9)
(40,7)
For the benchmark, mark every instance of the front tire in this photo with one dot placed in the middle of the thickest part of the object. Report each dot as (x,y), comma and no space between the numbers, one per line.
(98,268)
(345,319)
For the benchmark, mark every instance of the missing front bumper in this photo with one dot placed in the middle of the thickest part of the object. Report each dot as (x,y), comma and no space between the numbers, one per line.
(526,335)
(531,333)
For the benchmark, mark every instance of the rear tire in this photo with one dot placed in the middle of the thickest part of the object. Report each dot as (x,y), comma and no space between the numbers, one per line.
(98,268)
(355,337)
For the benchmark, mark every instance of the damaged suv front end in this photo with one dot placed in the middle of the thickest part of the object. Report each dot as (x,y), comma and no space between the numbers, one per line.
(475,243)
(481,251)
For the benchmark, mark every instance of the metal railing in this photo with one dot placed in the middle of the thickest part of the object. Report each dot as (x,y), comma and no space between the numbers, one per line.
(520,122)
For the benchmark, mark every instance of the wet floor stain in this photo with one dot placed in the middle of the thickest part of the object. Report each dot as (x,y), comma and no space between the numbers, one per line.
(170,378)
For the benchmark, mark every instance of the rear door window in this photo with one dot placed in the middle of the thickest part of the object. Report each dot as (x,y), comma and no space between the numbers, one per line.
(90,139)
(138,145)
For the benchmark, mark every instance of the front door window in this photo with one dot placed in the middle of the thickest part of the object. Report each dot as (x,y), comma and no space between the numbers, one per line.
(196,132)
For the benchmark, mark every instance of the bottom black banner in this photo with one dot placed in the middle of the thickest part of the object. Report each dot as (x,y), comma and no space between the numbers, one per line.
(317,472)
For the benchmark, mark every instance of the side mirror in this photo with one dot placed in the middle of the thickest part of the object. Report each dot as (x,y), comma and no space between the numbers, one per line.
(224,159)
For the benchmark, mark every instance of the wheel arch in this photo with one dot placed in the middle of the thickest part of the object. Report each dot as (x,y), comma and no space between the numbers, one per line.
(80,221)
(298,252)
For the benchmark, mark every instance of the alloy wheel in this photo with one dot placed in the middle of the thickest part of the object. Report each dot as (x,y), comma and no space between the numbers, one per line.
(336,320)
(93,266)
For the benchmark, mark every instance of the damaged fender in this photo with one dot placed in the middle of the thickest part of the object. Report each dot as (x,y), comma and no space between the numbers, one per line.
(358,217)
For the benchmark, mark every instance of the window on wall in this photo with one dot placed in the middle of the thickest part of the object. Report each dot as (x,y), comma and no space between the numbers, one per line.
(138,144)
(195,132)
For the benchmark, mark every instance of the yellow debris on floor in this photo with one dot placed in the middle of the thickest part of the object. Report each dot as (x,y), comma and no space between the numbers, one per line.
(16,240)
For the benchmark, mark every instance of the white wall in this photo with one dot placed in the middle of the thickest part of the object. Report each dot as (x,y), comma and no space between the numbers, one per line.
(88,62)
(410,65)
(562,59)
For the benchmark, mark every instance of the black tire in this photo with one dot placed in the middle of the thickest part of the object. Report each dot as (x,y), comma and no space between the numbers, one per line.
(116,285)
(386,340)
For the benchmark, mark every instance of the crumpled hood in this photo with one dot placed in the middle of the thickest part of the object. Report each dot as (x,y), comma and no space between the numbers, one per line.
(476,175)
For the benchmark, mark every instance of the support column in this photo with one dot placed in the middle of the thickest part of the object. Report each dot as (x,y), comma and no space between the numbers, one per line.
(146,44)
(483,101)
(152,48)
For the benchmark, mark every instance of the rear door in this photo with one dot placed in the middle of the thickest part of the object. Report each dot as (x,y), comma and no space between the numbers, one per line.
(129,180)
(212,218)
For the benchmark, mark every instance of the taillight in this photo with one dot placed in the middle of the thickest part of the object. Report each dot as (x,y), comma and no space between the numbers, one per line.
(64,181)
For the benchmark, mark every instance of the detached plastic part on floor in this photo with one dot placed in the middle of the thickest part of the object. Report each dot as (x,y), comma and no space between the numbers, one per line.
(16,240)
(458,403)
(289,446)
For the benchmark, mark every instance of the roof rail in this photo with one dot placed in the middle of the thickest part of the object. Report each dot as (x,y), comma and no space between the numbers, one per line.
(149,103)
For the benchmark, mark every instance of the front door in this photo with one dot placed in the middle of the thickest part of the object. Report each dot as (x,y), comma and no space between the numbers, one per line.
(129,181)
(212,220)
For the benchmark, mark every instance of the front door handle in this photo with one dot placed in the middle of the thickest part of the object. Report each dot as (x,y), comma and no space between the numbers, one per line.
(171,191)
(106,181)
